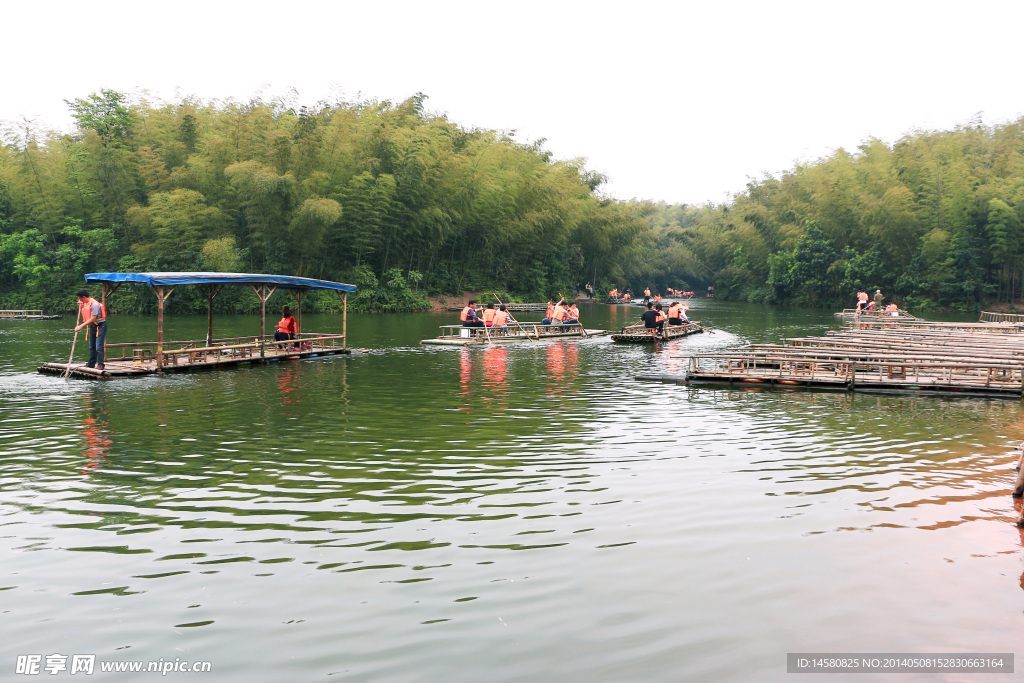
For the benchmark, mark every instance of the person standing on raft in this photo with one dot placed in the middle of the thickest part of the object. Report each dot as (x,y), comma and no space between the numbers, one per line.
(862,301)
(94,316)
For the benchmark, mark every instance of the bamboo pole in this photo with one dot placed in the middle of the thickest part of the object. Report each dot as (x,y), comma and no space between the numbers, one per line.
(74,340)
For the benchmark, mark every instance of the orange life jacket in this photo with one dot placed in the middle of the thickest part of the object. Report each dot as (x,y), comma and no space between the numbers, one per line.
(287,325)
(488,315)
(500,318)
(673,311)
(661,316)
(464,316)
(550,313)
(86,310)
(559,313)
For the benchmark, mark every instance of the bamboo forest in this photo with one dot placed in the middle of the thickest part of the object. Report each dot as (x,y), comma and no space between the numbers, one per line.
(406,204)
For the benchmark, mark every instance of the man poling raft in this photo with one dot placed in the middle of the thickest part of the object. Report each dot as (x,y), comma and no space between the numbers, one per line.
(94,317)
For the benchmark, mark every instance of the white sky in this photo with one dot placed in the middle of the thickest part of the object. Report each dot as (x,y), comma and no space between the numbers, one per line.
(673,100)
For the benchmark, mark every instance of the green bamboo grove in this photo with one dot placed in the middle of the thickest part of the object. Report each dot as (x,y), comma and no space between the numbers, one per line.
(934,220)
(406,203)
(385,196)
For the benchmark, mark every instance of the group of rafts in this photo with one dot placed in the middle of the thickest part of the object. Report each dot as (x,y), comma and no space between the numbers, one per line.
(164,355)
(490,326)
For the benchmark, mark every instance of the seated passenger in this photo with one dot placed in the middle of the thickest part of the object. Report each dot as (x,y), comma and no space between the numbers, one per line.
(488,315)
(469,317)
(502,317)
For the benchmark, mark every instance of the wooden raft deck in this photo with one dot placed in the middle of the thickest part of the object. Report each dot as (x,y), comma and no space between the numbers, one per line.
(641,334)
(940,361)
(139,359)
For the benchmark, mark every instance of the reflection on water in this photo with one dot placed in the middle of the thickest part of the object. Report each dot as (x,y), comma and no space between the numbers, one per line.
(527,509)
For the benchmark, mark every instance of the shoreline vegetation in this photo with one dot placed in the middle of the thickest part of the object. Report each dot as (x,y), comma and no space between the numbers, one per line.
(412,207)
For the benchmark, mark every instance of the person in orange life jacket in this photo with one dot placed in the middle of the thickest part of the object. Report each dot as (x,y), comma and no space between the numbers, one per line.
(675,313)
(488,315)
(94,316)
(286,327)
(560,315)
(862,301)
(572,314)
(502,317)
(469,317)
(647,294)
(549,314)
(652,319)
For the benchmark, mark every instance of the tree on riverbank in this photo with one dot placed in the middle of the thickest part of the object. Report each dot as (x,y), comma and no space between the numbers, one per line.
(405,201)
(936,220)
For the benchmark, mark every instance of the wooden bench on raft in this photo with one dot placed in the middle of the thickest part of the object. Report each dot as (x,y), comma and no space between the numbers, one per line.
(196,354)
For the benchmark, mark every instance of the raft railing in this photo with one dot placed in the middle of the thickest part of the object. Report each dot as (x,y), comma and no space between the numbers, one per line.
(198,349)
(994,317)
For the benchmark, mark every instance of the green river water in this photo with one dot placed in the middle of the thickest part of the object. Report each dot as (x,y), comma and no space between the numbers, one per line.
(526,512)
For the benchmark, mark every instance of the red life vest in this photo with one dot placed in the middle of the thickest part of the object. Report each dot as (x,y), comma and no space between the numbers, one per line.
(86,310)
(489,316)
(661,316)
(287,325)
(464,316)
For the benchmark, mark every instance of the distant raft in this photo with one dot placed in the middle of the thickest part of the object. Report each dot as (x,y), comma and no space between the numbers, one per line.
(852,314)
(457,335)
(26,314)
(641,334)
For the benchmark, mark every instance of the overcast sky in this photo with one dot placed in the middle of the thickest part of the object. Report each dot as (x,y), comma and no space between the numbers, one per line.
(672,100)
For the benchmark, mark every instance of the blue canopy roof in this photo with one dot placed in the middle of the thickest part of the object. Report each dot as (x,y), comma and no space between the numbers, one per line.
(197,278)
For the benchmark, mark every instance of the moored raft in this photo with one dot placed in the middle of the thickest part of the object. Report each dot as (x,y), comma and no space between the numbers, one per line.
(458,335)
(641,334)
(891,359)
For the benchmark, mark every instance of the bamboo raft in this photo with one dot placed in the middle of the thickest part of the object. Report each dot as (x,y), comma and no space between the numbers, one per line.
(854,314)
(641,334)
(145,358)
(26,314)
(140,358)
(457,335)
(944,360)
